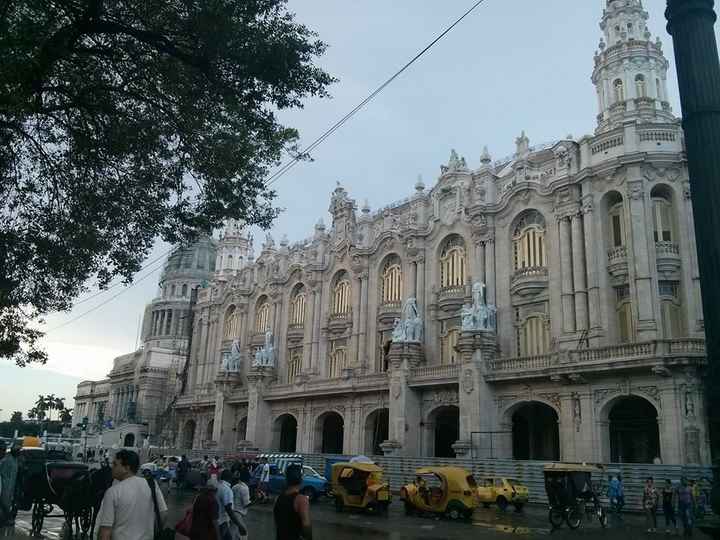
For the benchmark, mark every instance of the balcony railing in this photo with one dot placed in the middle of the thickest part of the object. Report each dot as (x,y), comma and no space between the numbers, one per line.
(452,291)
(531,271)
(617,255)
(524,362)
(445,371)
(667,248)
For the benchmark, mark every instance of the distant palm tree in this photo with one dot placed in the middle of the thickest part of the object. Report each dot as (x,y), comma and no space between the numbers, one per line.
(16,417)
(32,413)
(65,415)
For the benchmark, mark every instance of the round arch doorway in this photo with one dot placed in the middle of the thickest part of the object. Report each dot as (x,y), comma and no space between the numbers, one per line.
(446,430)
(535,432)
(285,433)
(377,428)
(188,434)
(329,433)
(634,431)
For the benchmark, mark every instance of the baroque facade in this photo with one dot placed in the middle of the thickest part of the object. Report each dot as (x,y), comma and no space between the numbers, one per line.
(586,249)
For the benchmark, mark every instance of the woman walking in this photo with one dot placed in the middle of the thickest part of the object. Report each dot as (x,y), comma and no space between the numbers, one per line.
(668,499)
(650,503)
(205,514)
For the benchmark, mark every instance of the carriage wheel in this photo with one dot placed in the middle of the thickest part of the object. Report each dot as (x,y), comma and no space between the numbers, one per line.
(85,521)
(38,516)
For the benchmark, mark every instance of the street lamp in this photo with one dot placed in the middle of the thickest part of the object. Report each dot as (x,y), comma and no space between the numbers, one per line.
(691,25)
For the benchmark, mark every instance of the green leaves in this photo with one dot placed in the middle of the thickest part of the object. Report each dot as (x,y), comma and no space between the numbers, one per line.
(108,109)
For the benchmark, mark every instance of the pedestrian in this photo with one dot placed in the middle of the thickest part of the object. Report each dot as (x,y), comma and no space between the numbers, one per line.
(182,470)
(695,487)
(613,493)
(214,468)
(226,513)
(127,511)
(264,484)
(292,510)
(650,503)
(669,495)
(241,501)
(621,493)
(8,477)
(205,513)
(685,506)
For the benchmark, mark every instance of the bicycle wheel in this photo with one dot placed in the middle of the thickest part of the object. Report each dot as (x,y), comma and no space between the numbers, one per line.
(602,517)
(556,516)
(574,517)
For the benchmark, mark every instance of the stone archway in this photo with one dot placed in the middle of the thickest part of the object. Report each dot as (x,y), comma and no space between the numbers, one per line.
(633,430)
(329,433)
(285,433)
(444,422)
(188,435)
(129,440)
(209,430)
(535,432)
(377,428)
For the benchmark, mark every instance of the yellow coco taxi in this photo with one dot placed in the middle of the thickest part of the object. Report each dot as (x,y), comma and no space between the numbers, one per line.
(448,491)
(361,486)
(503,492)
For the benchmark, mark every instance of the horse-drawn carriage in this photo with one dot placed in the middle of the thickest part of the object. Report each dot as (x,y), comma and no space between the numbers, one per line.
(45,483)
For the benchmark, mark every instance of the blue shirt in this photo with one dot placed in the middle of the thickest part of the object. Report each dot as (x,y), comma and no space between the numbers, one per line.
(224,497)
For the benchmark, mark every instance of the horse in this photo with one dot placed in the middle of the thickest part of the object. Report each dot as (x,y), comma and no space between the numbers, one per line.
(82,498)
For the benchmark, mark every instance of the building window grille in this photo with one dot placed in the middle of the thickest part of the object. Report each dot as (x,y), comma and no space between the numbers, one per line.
(626,325)
(294,364)
(662,218)
(341,297)
(297,309)
(338,361)
(452,263)
(617,225)
(448,353)
(262,318)
(392,282)
(231,328)
(534,336)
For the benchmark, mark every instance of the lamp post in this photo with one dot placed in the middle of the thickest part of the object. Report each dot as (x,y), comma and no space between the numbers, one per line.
(691,25)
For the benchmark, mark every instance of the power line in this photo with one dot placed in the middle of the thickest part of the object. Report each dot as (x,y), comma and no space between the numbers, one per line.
(103,291)
(106,301)
(285,168)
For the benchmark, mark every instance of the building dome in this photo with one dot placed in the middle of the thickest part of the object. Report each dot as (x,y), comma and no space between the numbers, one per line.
(194,262)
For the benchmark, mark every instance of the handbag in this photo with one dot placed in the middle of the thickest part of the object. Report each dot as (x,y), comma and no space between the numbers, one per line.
(160,533)
(184,526)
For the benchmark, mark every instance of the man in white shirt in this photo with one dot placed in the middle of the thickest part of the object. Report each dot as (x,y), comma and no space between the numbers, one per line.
(226,513)
(264,479)
(241,501)
(127,511)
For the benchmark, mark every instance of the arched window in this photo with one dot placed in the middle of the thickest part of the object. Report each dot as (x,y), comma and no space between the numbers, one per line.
(534,336)
(392,281)
(619,91)
(671,309)
(229,262)
(640,86)
(338,361)
(297,308)
(184,290)
(529,242)
(294,364)
(262,317)
(625,320)
(448,354)
(231,328)
(341,296)
(662,215)
(172,291)
(617,225)
(452,263)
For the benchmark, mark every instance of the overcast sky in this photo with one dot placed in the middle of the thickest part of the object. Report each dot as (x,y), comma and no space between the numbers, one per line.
(512,65)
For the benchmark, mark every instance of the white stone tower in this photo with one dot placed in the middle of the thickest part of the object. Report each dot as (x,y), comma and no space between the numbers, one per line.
(235,249)
(630,72)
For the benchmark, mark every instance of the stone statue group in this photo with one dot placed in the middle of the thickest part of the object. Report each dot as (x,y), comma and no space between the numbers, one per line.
(265,356)
(478,315)
(231,362)
(409,328)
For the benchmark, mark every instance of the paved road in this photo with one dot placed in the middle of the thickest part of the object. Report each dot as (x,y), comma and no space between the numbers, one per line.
(329,525)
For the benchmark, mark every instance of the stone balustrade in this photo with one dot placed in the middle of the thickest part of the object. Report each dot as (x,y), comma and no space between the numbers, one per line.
(617,255)
(650,354)
(667,248)
(432,374)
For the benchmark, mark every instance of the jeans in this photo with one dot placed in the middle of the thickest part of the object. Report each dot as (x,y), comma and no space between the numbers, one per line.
(669,512)
(686,517)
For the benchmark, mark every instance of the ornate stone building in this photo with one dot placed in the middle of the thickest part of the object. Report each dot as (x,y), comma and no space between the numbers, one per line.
(586,248)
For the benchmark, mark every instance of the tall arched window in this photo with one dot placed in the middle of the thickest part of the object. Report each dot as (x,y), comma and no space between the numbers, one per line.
(172,291)
(341,295)
(534,336)
(529,241)
(338,361)
(452,263)
(625,319)
(231,328)
(297,308)
(671,309)
(294,364)
(617,225)
(619,89)
(262,317)
(392,281)
(184,290)
(229,262)
(448,354)
(640,86)
(662,214)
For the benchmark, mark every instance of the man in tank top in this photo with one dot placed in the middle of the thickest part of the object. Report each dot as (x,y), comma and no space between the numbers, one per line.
(292,510)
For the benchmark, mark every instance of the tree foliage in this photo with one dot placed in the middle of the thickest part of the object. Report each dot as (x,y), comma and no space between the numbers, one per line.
(125,120)
(16,417)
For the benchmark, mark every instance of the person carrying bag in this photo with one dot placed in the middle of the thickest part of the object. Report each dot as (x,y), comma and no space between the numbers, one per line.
(160,532)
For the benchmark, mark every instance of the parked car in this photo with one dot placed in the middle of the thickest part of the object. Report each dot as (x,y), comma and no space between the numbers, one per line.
(314,485)
(503,492)
(444,491)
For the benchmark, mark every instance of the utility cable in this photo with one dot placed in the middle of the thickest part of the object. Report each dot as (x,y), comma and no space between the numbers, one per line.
(285,168)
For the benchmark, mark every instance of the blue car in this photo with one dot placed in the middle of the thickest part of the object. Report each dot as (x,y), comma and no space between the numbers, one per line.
(314,484)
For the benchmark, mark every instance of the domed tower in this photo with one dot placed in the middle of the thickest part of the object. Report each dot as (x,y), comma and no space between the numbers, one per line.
(186,268)
(630,72)
(235,250)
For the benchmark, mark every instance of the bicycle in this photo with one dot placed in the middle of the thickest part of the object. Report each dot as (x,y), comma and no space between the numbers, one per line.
(573,515)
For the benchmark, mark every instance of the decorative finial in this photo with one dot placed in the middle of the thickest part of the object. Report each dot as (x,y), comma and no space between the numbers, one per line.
(419,185)
(485,157)
(366,207)
(320,225)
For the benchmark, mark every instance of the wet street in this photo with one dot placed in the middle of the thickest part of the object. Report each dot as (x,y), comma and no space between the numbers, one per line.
(328,524)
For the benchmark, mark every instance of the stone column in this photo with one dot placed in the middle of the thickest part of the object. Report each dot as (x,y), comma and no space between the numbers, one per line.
(420,286)
(411,291)
(644,293)
(308,331)
(404,407)
(593,265)
(258,431)
(490,270)
(315,357)
(362,337)
(475,397)
(568,299)
(579,273)
(354,360)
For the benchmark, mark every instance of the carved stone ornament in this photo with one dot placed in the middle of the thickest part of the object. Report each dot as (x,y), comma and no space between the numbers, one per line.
(444,397)
(651,391)
(577,411)
(396,389)
(635,190)
(601,395)
(468,385)
(553,398)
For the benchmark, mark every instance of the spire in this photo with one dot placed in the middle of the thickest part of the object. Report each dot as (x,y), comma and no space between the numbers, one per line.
(485,157)
(638,90)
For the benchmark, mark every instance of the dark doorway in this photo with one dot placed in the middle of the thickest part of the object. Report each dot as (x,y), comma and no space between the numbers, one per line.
(447,431)
(242,430)
(535,433)
(129,440)
(377,428)
(288,434)
(332,434)
(188,435)
(634,433)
